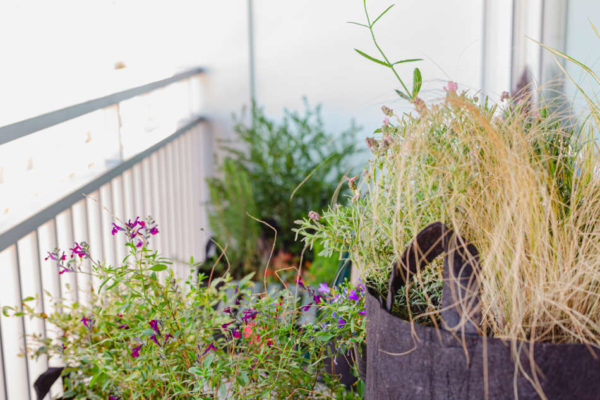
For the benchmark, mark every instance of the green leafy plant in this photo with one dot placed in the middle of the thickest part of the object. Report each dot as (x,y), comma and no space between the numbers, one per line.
(288,168)
(146,335)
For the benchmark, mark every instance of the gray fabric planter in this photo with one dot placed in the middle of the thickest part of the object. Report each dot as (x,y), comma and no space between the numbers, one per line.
(410,361)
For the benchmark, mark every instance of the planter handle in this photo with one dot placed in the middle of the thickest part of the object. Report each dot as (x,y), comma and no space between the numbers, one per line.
(460,291)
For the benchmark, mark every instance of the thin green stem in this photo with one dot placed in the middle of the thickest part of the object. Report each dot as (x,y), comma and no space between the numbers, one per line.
(390,65)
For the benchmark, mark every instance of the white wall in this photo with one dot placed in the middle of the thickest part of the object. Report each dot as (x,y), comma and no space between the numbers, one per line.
(307,48)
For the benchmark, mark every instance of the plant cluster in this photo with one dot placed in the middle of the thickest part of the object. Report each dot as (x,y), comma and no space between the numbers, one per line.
(283,170)
(146,335)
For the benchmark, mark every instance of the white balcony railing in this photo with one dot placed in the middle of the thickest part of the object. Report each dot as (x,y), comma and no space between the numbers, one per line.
(146,160)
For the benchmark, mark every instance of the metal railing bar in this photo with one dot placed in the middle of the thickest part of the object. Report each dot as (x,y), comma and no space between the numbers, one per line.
(40,281)
(56,245)
(74,239)
(2,358)
(26,127)
(9,237)
(20,296)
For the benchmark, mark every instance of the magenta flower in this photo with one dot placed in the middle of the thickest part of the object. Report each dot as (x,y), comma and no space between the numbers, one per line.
(154,325)
(236,334)
(116,228)
(323,288)
(317,299)
(78,250)
(87,322)
(153,338)
(124,326)
(62,271)
(249,315)
(353,295)
(209,348)
(227,310)
(111,397)
(224,326)
(154,231)
(135,352)
(306,307)
(139,244)
(50,256)
(300,283)
(314,215)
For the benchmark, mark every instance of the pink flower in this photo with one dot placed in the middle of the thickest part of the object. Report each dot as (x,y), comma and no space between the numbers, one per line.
(116,228)
(62,271)
(452,87)
(154,230)
(314,215)
(386,122)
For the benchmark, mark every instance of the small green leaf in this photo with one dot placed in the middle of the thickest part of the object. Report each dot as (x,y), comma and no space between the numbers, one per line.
(403,95)
(381,15)
(29,298)
(417,81)
(358,23)
(158,267)
(408,60)
(365,55)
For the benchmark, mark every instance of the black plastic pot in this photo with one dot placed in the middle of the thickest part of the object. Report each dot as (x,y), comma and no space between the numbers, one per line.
(411,361)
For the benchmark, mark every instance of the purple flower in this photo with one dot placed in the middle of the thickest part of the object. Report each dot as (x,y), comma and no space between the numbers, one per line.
(224,326)
(306,307)
(123,326)
(341,323)
(353,295)
(111,397)
(77,249)
(362,312)
(209,348)
(249,315)
(153,338)
(317,298)
(300,283)
(116,228)
(227,310)
(154,325)
(87,322)
(167,337)
(323,288)
(154,231)
(236,334)
(133,224)
(135,352)
(139,244)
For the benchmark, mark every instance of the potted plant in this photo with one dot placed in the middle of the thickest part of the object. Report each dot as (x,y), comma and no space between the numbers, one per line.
(508,195)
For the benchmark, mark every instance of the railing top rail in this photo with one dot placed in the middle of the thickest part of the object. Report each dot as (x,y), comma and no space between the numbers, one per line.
(10,237)
(28,126)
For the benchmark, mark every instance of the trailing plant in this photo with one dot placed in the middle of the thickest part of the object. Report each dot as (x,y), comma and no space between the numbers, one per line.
(293,166)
